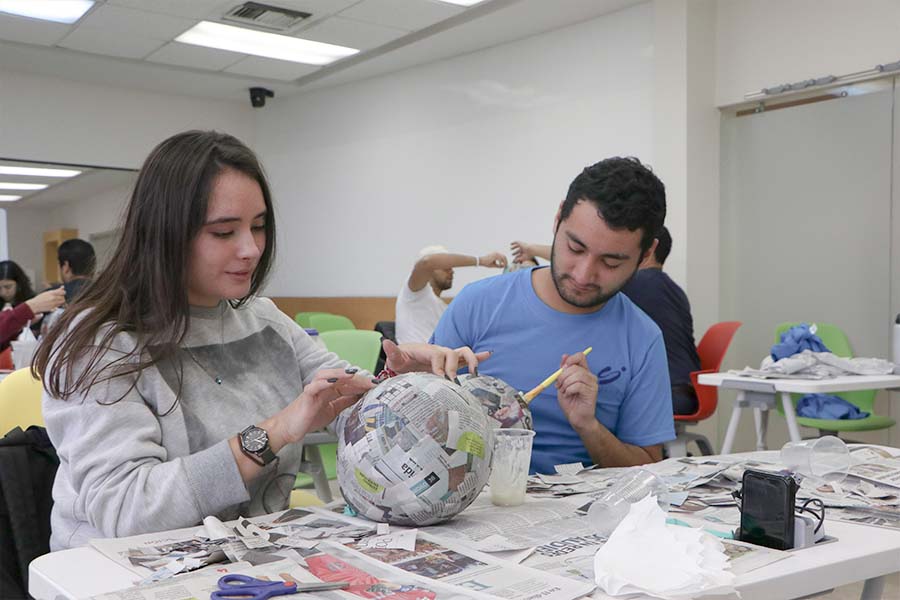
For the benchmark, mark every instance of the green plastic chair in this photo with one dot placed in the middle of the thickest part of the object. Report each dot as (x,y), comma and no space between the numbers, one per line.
(327,322)
(360,348)
(302,318)
(357,346)
(836,341)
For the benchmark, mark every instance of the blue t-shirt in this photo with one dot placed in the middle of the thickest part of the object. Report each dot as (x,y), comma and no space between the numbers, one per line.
(528,338)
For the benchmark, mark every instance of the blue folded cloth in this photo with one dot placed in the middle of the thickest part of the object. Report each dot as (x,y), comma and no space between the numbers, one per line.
(825,406)
(795,340)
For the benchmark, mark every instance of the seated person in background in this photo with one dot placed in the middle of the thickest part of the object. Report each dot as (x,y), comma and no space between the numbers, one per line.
(15,286)
(13,321)
(667,304)
(15,290)
(419,305)
(172,391)
(614,407)
(76,266)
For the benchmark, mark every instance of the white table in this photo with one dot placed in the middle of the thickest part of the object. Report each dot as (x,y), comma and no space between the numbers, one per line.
(761,395)
(861,553)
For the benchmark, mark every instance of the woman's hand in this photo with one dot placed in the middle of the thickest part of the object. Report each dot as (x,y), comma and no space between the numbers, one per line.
(322,400)
(434,359)
(47,301)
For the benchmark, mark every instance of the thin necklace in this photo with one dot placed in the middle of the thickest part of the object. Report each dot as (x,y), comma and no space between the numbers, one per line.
(218,379)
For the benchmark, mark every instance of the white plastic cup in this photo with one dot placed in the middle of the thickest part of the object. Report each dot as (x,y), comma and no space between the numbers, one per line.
(613,504)
(824,459)
(509,466)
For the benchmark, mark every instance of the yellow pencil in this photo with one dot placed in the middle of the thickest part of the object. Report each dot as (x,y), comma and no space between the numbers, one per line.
(545,383)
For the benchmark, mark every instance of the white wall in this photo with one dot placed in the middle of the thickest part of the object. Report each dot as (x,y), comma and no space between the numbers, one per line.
(56,120)
(768,42)
(470,152)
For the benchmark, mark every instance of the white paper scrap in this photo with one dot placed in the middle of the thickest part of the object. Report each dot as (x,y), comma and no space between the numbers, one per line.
(569,468)
(403,540)
(216,529)
(644,555)
(383,529)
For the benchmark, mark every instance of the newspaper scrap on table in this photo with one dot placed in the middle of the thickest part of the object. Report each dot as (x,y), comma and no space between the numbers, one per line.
(454,563)
(532,524)
(258,540)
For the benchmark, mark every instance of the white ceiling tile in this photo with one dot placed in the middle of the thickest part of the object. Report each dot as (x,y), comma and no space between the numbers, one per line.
(402,14)
(196,57)
(31,31)
(110,43)
(270,68)
(191,9)
(350,33)
(136,22)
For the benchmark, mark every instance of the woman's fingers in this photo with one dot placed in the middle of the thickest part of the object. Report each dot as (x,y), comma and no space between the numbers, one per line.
(465,355)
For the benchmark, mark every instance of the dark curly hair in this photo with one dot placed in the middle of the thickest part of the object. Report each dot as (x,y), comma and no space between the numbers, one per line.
(626,193)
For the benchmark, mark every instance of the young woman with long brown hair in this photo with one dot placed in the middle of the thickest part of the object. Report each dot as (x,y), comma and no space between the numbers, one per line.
(172,391)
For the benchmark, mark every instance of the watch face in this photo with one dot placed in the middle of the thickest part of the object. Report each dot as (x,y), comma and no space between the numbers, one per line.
(255,439)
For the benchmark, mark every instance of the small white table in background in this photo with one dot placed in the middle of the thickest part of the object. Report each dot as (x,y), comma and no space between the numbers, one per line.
(762,396)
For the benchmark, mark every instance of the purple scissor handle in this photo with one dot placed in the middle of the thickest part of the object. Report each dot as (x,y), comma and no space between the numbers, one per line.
(235,586)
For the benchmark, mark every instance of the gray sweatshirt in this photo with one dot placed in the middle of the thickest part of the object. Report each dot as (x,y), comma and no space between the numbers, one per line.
(126,469)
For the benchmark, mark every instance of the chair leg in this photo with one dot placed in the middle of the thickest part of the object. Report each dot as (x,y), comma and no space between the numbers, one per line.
(704,445)
(677,448)
(313,466)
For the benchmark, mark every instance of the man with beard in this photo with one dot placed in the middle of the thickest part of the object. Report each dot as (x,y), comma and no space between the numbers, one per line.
(614,407)
(419,305)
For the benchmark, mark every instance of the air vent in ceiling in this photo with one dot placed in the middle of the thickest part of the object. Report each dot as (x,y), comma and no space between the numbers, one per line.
(265,15)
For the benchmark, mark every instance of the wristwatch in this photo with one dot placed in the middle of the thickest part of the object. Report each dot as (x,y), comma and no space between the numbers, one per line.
(255,445)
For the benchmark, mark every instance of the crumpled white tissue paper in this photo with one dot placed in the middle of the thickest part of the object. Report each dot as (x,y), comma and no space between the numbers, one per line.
(644,555)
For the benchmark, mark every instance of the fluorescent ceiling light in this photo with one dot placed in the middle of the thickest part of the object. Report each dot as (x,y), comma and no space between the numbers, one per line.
(463,2)
(259,43)
(36,172)
(5,198)
(5,185)
(60,11)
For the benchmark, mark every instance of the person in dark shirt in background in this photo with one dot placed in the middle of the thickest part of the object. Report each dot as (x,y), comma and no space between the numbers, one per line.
(666,303)
(76,266)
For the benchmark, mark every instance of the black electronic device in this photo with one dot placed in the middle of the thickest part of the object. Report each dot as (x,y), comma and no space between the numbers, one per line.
(767,509)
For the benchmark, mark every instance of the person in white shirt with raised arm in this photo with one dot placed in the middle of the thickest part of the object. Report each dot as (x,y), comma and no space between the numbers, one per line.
(419,305)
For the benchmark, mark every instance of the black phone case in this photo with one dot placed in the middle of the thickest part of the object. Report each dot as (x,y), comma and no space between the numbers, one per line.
(767,509)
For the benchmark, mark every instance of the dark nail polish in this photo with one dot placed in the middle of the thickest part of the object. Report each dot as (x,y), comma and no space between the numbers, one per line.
(475,370)
(457,381)
(332,380)
(447,377)
(350,370)
(376,381)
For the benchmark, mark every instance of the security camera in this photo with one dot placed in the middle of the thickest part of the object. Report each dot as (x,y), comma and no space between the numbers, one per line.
(258,96)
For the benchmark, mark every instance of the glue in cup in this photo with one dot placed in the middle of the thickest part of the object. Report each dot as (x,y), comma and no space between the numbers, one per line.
(613,504)
(509,466)
(824,459)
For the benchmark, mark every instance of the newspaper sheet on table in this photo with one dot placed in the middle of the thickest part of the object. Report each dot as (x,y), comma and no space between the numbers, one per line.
(490,529)
(885,471)
(257,540)
(455,563)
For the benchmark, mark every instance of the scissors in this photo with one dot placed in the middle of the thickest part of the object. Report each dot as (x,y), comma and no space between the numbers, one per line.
(235,585)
